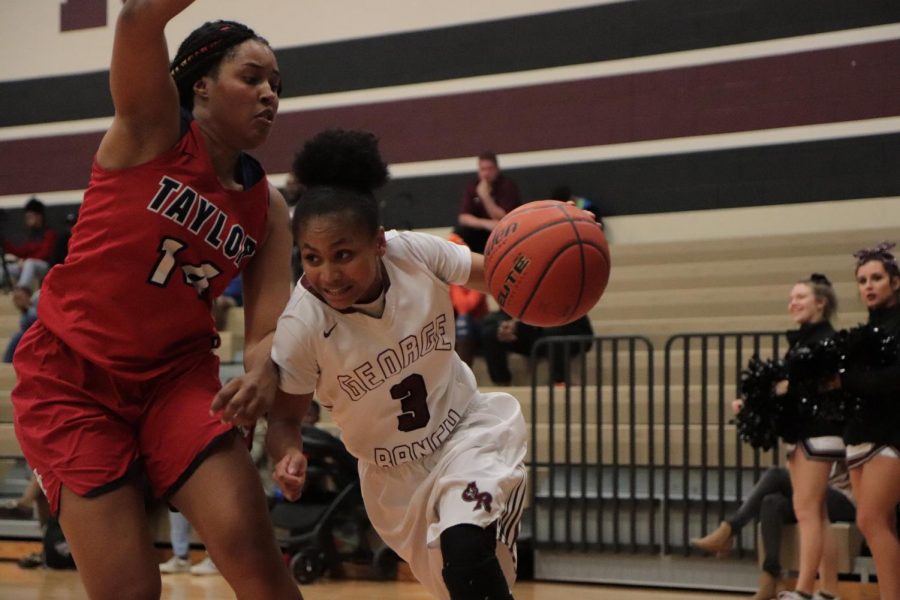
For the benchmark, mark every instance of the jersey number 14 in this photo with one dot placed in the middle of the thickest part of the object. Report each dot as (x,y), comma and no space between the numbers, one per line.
(198,276)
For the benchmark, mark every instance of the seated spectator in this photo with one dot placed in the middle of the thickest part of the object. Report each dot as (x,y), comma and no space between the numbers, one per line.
(180,536)
(27,304)
(501,334)
(232,297)
(771,501)
(486,199)
(29,504)
(33,256)
(469,307)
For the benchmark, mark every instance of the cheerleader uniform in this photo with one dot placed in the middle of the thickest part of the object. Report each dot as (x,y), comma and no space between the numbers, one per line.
(873,427)
(809,426)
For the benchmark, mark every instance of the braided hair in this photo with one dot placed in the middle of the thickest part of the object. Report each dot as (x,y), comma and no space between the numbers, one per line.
(202,52)
(339,171)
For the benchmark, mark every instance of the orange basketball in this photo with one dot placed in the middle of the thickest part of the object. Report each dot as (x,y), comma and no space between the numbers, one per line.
(546,263)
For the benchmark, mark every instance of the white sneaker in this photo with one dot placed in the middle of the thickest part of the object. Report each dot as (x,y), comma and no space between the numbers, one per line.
(175,565)
(205,567)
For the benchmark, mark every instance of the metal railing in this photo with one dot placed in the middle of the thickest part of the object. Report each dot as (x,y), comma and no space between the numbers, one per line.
(713,472)
(619,465)
(583,486)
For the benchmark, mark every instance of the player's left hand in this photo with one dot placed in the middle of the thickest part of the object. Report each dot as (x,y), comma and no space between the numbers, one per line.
(290,474)
(244,399)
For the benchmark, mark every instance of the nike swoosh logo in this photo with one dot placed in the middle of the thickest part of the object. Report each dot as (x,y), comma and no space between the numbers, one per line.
(328,331)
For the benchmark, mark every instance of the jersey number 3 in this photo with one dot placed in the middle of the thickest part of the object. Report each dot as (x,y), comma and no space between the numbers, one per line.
(195,275)
(413,399)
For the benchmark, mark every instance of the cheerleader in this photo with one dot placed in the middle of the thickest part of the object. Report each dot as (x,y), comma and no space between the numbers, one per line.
(871,380)
(811,434)
(813,441)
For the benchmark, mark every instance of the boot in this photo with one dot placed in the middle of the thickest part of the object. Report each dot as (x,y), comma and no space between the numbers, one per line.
(719,542)
(768,586)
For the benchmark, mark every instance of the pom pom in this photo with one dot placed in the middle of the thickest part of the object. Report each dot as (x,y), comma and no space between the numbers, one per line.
(756,422)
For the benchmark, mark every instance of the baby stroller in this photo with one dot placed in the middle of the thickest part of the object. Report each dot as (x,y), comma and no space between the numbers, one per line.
(328,526)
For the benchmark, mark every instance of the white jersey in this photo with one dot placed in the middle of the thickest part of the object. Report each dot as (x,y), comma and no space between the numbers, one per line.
(394,384)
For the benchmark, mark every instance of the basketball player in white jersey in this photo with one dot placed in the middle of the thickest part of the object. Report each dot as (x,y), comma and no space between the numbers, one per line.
(370,330)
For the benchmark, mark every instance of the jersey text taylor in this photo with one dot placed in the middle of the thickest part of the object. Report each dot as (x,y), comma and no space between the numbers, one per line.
(181,204)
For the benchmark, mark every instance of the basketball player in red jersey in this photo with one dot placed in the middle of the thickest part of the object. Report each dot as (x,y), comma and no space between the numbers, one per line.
(118,383)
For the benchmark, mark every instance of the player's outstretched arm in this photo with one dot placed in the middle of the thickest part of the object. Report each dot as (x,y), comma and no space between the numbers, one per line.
(267,287)
(476,275)
(284,441)
(146,121)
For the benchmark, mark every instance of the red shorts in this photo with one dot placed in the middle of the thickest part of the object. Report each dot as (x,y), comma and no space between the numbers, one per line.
(82,427)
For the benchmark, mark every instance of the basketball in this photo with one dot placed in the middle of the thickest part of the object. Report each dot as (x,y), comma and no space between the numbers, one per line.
(546,263)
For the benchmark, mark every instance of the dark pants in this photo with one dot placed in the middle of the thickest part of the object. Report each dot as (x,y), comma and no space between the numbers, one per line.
(771,502)
(495,352)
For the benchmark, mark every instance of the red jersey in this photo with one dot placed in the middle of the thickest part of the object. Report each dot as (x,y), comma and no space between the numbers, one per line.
(153,245)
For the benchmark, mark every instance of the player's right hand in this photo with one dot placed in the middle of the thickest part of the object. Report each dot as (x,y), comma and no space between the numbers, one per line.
(290,474)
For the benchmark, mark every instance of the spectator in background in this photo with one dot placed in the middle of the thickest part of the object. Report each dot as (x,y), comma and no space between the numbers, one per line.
(485,201)
(501,334)
(27,304)
(771,501)
(232,297)
(311,418)
(470,307)
(180,536)
(291,191)
(563,193)
(26,300)
(35,253)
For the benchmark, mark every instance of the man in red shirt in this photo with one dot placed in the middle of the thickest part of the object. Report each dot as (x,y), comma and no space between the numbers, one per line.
(485,201)
(35,253)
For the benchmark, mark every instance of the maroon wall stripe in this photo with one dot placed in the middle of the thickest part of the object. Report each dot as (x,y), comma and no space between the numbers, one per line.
(82,14)
(824,86)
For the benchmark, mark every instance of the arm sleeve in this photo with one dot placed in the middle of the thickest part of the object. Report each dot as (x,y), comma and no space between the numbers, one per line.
(295,357)
(450,262)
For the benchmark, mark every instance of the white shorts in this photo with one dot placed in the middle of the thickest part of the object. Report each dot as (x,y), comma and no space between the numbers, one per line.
(476,477)
(860,454)
(827,448)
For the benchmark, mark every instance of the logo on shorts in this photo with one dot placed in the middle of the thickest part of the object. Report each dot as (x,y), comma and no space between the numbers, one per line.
(481,499)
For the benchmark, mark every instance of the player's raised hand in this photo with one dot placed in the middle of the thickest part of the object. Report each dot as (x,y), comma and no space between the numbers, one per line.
(290,474)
